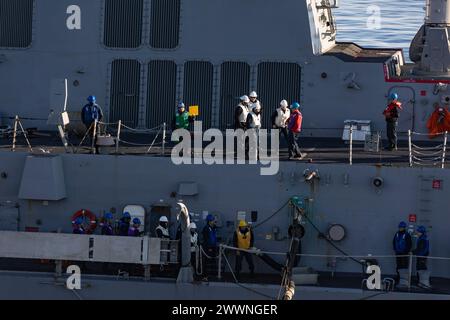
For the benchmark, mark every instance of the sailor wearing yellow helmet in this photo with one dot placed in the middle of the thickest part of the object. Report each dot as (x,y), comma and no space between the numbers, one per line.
(243,239)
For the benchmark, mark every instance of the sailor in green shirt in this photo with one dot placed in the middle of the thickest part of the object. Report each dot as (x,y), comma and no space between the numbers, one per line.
(182,118)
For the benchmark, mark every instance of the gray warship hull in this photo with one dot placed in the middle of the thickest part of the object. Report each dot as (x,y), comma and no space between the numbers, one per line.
(141,58)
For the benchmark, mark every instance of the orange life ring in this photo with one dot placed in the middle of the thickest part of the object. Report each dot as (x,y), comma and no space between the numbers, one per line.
(90,216)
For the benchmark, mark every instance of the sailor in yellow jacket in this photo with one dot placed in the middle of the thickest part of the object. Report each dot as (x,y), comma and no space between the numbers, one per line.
(243,239)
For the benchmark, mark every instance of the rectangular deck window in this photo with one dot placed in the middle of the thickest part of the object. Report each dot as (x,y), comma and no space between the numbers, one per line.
(16,23)
(165,24)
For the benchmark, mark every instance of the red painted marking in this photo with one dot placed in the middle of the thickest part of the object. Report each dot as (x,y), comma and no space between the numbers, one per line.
(412,218)
(437,184)
(423,93)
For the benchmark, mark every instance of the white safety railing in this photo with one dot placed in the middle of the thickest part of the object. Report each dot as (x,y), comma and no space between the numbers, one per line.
(427,155)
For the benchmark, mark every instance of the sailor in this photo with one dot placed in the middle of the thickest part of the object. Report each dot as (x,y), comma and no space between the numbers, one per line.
(243,239)
(391,115)
(182,118)
(134,229)
(124,224)
(209,244)
(241,113)
(295,127)
(78,226)
(106,225)
(194,241)
(89,114)
(422,250)
(280,118)
(254,122)
(162,230)
(402,246)
(254,102)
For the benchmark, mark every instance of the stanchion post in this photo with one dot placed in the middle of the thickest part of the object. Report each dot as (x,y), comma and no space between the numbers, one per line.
(16,121)
(410,271)
(351,145)
(119,127)
(94,134)
(410,148)
(219,267)
(444,149)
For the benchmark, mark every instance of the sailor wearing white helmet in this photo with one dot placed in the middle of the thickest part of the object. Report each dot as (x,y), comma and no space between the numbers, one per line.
(254,123)
(254,101)
(241,113)
(162,231)
(280,118)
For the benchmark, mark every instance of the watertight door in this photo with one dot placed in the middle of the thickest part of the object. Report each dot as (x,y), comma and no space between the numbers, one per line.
(9,218)
(407,98)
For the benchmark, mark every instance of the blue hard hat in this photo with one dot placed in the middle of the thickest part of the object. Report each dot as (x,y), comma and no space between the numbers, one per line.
(126,215)
(136,221)
(295,105)
(79,220)
(91,99)
(402,225)
(421,229)
(108,216)
(210,217)
(394,96)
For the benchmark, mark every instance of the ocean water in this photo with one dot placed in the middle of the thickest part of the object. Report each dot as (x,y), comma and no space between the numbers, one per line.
(379,23)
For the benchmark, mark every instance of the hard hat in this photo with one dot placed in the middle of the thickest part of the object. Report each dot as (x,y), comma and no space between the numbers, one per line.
(242,224)
(136,221)
(257,106)
(108,216)
(210,218)
(394,96)
(91,99)
(79,220)
(245,99)
(284,103)
(181,105)
(163,219)
(402,225)
(253,94)
(421,229)
(192,225)
(126,215)
(295,105)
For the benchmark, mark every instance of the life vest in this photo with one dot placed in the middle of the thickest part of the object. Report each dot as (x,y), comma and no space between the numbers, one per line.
(133,232)
(391,111)
(282,117)
(244,114)
(400,242)
(91,113)
(164,231)
(439,122)
(243,239)
(211,240)
(251,105)
(182,120)
(256,120)
(295,121)
(194,241)
(425,251)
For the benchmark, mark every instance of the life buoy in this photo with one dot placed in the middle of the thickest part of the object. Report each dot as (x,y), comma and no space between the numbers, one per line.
(86,215)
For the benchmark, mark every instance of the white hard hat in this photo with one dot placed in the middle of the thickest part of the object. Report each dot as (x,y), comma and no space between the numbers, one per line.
(257,106)
(193,225)
(163,219)
(284,103)
(245,99)
(181,105)
(253,94)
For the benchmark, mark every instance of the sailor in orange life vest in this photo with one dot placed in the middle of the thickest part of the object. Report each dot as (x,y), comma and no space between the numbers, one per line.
(391,115)
(243,239)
